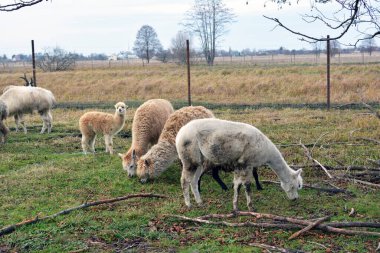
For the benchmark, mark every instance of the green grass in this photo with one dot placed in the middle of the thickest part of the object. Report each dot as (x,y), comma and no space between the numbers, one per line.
(43,174)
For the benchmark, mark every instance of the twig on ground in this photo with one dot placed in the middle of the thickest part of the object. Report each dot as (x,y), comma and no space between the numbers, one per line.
(270,248)
(309,227)
(295,223)
(11,228)
(360,182)
(307,153)
(329,190)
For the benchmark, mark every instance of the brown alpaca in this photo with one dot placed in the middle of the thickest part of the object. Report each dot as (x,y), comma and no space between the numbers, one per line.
(92,123)
(161,155)
(148,122)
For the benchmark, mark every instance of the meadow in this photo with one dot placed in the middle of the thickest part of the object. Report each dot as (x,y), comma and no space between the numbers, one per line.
(44,174)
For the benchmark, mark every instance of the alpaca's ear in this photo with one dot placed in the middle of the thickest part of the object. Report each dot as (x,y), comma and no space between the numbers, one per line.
(133,154)
(298,172)
(120,155)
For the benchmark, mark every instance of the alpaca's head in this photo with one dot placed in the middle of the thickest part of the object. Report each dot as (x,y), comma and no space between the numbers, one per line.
(129,161)
(145,169)
(293,184)
(121,108)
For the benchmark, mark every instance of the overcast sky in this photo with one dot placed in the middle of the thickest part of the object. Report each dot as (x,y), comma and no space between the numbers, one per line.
(110,26)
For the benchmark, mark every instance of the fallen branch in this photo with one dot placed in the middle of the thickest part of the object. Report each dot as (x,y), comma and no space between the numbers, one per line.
(270,247)
(307,153)
(295,223)
(11,228)
(239,224)
(309,227)
(360,182)
(368,139)
(329,190)
(343,167)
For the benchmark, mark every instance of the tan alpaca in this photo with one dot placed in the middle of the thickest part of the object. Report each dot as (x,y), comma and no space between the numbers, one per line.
(161,155)
(148,122)
(92,123)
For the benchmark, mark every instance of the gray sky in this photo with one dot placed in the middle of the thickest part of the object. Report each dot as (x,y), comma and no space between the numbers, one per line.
(90,26)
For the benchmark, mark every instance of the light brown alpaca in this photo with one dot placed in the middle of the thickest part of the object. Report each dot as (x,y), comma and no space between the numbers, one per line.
(148,122)
(92,123)
(161,155)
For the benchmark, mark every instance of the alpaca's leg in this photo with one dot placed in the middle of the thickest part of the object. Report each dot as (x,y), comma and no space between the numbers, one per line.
(110,148)
(44,118)
(215,175)
(108,141)
(49,121)
(92,143)
(237,183)
(185,184)
(247,180)
(85,143)
(256,176)
(22,122)
(17,121)
(194,184)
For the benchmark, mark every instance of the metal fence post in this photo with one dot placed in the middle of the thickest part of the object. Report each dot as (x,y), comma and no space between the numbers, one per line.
(328,71)
(34,64)
(188,71)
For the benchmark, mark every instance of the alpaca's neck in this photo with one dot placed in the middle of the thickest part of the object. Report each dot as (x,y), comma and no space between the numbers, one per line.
(163,154)
(119,118)
(280,167)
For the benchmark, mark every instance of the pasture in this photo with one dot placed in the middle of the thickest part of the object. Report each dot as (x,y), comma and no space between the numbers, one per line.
(44,174)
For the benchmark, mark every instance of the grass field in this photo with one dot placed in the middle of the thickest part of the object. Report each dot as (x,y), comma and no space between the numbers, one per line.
(43,174)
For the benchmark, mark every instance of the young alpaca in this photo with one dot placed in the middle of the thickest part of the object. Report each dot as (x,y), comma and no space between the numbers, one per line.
(234,144)
(161,155)
(148,122)
(92,123)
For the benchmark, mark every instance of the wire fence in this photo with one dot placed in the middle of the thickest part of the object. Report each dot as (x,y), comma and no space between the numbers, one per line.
(271,59)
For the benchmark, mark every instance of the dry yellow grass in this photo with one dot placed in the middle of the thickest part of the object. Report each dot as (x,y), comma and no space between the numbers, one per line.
(224,84)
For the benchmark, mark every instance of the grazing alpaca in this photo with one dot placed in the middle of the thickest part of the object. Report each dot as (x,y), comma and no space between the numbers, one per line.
(92,123)
(18,100)
(148,122)
(234,144)
(161,155)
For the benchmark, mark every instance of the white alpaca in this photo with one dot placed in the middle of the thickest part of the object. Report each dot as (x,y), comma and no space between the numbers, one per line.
(92,123)
(148,122)
(18,100)
(239,145)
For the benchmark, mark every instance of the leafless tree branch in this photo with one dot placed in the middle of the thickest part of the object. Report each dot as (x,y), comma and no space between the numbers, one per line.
(361,15)
(11,228)
(18,4)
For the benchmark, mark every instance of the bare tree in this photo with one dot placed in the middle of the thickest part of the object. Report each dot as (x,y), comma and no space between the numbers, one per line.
(146,43)
(368,45)
(317,48)
(335,48)
(163,55)
(178,46)
(361,15)
(18,4)
(207,19)
(56,59)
